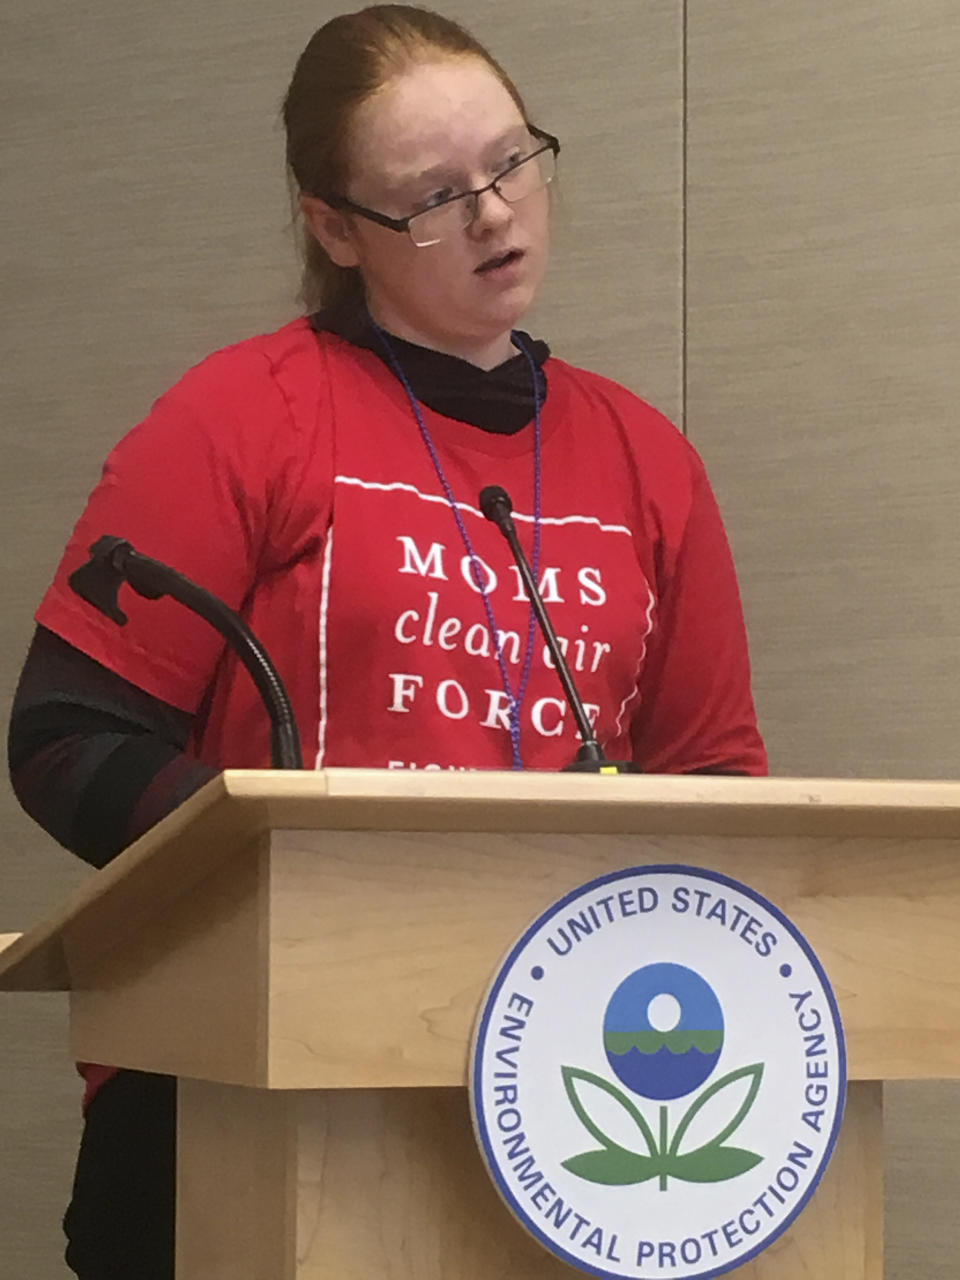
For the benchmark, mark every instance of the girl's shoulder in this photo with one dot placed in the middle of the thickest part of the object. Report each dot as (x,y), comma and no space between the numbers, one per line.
(288,357)
(284,379)
(592,398)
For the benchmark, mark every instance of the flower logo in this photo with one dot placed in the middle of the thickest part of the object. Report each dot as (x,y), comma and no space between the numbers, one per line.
(663,1061)
(663,1033)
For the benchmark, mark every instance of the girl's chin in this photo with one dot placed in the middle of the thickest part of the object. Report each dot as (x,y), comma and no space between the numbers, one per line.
(508,308)
(462,324)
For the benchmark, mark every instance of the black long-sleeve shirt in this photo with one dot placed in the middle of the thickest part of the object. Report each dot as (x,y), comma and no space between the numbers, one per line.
(94,759)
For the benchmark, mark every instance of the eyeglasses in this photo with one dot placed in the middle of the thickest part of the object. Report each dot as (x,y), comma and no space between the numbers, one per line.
(447,216)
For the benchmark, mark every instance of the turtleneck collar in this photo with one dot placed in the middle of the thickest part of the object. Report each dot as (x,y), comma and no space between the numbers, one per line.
(499,400)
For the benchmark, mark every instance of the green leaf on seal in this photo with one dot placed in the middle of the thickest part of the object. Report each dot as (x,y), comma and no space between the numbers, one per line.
(713,1164)
(753,1073)
(573,1080)
(612,1167)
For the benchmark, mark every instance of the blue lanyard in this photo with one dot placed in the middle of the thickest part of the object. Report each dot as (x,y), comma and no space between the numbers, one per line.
(514,699)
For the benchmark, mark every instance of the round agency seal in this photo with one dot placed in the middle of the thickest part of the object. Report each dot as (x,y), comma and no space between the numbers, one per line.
(658,1075)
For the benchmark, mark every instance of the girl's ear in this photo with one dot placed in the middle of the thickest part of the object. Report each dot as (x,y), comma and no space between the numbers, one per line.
(331,228)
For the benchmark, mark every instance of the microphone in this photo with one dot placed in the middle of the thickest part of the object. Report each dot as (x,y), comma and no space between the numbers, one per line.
(114,561)
(496,505)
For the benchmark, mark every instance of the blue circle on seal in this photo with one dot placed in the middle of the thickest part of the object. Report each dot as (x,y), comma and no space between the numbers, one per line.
(663,1064)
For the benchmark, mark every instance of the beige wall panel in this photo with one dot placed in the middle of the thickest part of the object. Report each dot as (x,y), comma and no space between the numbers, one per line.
(922,1186)
(823,234)
(607,79)
(823,379)
(144,222)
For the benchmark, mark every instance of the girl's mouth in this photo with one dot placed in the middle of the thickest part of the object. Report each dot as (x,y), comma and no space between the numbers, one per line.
(501,261)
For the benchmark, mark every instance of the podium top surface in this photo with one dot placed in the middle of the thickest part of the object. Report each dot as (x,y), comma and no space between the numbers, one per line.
(246,803)
(475,800)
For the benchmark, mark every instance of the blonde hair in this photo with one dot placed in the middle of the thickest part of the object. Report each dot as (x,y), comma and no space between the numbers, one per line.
(348,61)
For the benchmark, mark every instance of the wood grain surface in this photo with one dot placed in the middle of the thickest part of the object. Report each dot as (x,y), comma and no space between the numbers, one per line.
(351,952)
(360,1183)
(237,953)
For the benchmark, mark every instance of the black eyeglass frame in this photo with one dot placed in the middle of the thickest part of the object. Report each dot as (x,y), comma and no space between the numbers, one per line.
(403,224)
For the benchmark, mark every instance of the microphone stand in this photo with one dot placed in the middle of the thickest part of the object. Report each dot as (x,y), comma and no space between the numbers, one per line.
(496,505)
(114,561)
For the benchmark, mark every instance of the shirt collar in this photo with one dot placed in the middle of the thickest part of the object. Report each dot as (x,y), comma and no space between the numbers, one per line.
(499,400)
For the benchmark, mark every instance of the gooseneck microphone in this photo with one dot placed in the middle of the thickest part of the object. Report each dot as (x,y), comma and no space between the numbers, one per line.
(496,505)
(114,561)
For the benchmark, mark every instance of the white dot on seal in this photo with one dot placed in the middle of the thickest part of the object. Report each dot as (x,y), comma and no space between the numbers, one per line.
(664,1012)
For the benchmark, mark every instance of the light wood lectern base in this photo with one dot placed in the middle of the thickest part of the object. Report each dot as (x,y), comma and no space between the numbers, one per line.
(371,1184)
(307,953)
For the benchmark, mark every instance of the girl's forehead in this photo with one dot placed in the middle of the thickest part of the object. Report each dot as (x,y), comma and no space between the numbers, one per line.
(433,112)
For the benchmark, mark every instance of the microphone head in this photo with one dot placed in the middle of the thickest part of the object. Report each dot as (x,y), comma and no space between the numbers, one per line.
(495,503)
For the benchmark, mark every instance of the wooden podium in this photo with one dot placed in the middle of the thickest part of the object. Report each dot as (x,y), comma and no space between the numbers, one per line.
(307,952)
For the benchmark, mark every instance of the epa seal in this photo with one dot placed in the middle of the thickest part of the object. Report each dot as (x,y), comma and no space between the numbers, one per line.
(658,1075)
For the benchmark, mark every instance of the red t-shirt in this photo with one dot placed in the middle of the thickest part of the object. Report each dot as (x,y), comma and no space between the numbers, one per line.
(287,475)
